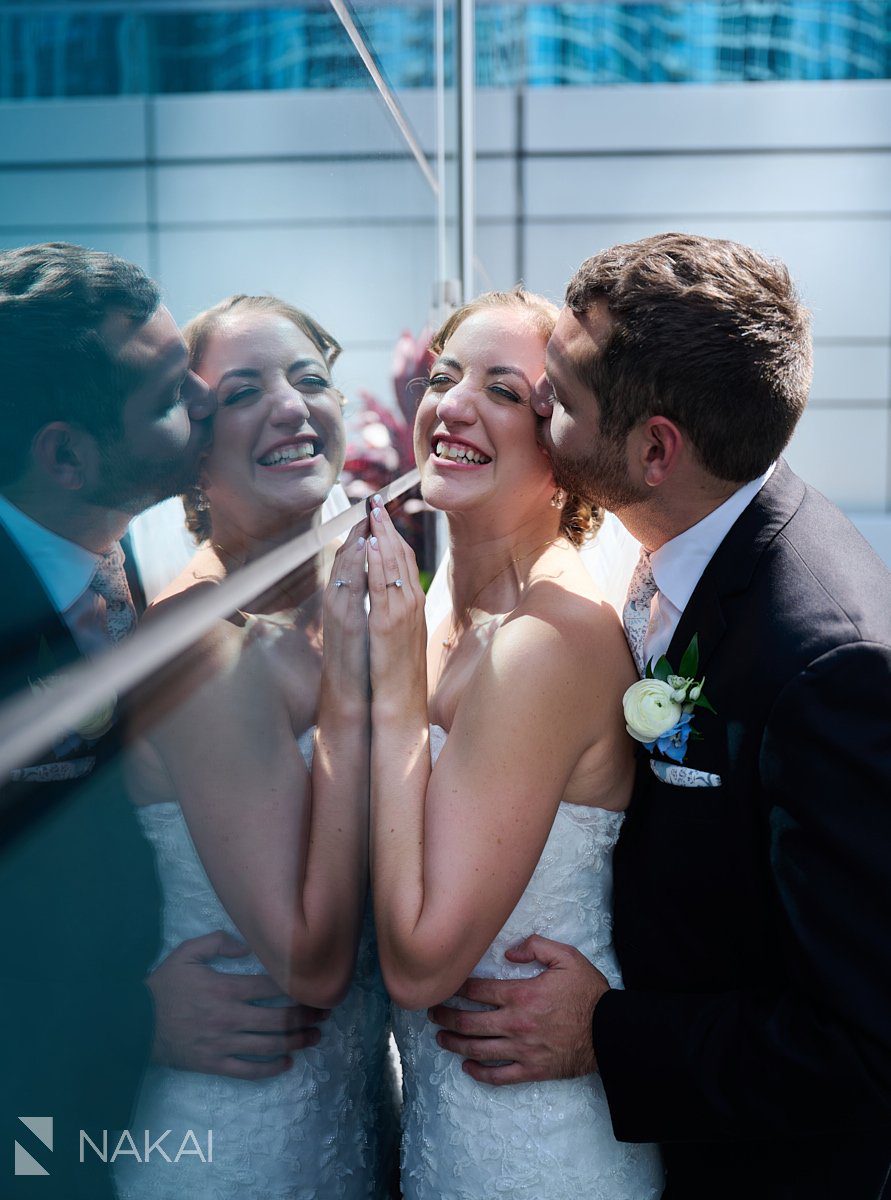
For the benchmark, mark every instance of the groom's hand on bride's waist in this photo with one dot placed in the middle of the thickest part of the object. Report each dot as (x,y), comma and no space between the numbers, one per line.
(217,1023)
(540,1028)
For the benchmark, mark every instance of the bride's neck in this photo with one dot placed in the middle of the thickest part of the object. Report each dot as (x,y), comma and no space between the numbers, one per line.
(489,567)
(235,547)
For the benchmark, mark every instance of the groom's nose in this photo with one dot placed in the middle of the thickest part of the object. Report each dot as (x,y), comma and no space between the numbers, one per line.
(543,403)
(200,400)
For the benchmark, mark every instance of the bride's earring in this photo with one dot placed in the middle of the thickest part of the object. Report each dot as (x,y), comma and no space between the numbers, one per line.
(202,504)
(558,499)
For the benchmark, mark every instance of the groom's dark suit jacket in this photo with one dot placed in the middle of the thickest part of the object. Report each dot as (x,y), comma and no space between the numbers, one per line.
(80,925)
(753,919)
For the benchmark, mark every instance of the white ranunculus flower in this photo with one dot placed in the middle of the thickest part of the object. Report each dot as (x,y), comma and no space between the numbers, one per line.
(93,726)
(650,709)
(98,723)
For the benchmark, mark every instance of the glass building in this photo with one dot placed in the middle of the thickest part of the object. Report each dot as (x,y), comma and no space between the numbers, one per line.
(370,165)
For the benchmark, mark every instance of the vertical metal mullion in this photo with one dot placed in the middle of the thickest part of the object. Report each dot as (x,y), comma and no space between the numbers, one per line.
(442,262)
(466,143)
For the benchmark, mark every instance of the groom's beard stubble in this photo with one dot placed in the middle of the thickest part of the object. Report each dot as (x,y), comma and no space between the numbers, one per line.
(600,477)
(132,484)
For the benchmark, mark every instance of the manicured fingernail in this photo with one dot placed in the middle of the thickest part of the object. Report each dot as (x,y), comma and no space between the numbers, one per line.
(376,513)
(372,542)
(377,499)
(361,542)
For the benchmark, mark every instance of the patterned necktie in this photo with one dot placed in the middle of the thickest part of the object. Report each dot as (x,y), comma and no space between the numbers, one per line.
(636,613)
(110,583)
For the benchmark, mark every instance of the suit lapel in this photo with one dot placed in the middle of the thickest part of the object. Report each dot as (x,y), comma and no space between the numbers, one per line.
(131,570)
(34,640)
(728,573)
(732,565)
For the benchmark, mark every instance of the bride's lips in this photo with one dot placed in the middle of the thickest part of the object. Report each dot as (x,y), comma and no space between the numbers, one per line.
(461,447)
(292,454)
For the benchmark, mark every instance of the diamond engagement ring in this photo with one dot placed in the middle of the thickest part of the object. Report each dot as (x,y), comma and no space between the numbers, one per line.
(339,583)
(395,583)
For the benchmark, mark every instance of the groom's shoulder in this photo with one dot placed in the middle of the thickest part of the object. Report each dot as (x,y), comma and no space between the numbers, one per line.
(822,573)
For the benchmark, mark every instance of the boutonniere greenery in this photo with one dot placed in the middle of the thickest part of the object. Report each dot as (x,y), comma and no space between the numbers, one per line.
(95,725)
(659,708)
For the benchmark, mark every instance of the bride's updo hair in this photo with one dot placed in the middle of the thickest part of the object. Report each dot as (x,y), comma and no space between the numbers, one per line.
(579,520)
(198,333)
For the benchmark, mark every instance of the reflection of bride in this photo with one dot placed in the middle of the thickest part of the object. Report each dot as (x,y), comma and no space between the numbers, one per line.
(500,769)
(252,787)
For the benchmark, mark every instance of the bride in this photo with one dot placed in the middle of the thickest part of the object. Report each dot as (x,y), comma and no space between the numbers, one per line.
(252,783)
(500,769)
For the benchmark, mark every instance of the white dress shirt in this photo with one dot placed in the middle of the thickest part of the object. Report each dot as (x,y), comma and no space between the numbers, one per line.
(66,571)
(679,564)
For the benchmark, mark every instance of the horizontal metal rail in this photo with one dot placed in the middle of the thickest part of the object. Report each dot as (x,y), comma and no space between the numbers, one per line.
(33,721)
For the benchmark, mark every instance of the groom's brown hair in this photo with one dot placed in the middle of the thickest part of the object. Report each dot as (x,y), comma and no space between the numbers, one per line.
(708,333)
(54,363)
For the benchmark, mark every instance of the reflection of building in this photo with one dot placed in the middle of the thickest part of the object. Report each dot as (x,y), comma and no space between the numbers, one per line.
(282,172)
(77,49)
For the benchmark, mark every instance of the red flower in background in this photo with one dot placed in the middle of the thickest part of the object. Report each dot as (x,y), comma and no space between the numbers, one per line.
(379,436)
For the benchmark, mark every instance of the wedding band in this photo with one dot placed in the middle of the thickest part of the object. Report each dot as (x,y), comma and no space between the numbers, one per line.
(395,583)
(341,583)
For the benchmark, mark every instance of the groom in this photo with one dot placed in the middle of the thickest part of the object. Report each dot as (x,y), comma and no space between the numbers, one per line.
(752,880)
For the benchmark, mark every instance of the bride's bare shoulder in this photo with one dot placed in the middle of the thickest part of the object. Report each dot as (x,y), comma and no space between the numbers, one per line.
(201,571)
(563,595)
(200,575)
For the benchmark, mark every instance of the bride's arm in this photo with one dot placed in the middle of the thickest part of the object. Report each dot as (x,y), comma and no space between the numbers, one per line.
(454,847)
(286,853)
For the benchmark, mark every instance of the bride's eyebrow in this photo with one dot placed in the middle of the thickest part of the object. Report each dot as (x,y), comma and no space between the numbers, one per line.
(446,361)
(510,371)
(256,373)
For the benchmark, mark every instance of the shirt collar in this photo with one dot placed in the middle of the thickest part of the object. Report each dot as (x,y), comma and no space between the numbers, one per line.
(678,565)
(64,568)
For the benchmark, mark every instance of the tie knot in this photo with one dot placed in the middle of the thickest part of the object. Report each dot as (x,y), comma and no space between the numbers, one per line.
(110,582)
(642,587)
(109,578)
(636,614)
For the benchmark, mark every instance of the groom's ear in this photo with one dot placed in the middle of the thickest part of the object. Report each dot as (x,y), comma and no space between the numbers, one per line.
(63,454)
(661,446)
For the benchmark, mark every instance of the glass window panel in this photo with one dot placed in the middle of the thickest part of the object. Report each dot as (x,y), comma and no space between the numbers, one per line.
(184,859)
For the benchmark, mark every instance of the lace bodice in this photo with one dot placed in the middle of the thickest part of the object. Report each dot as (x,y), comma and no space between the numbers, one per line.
(316,1132)
(544,1141)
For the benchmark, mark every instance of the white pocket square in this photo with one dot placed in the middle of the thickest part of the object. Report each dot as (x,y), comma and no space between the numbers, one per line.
(679,776)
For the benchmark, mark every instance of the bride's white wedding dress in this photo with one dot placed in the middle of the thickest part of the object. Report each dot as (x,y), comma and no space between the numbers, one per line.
(464,1140)
(317,1132)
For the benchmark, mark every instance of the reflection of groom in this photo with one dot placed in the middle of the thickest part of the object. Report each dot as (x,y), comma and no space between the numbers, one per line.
(751,891)
(100,418)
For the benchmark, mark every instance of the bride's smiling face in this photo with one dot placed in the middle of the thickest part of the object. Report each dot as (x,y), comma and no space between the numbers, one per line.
(279,437)
(475,429)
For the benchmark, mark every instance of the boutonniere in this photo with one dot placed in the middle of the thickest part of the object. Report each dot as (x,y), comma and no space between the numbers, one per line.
(95,725)
(659,708)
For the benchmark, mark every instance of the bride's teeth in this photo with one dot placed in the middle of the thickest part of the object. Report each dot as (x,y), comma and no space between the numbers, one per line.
(459,453)
(288,454)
